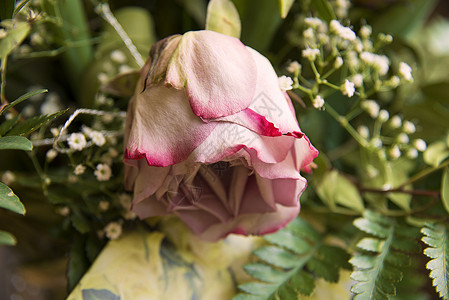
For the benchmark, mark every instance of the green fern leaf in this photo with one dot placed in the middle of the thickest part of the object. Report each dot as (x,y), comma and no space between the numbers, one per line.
(289,266)
(437,238)
(378,267)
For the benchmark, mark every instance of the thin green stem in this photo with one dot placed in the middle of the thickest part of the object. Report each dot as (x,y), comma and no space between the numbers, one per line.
(345,124)
(325,82)
(3,84)
(423,173)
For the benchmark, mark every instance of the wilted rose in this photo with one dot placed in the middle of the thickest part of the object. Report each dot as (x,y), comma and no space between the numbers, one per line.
(211,138)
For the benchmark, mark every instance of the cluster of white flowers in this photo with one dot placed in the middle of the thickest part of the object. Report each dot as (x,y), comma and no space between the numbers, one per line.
(310,53)
(380,63)
(345,33)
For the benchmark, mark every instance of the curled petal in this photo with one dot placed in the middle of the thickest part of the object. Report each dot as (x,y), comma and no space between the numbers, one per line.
(217,71)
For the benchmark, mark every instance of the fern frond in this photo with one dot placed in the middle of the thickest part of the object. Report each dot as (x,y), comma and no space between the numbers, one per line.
(437,238)
(378,267)
(290,265)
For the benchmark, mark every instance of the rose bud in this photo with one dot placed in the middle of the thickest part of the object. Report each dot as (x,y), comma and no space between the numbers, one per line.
(211,138)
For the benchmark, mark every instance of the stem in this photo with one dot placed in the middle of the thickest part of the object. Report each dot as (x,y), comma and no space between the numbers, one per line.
(428,193)
(345,124)
(424,173)
(105,12)
(3,84)
(325,82)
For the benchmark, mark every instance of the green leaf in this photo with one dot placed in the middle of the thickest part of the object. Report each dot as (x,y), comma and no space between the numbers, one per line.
(288,240)
(324,10)
(277,257)
(14,37)
(23,98)
(264,272)
(28,126)
(7,238)
(9,200)
(15,142)
(8,124)
(436,153)
(304,282)
(6,9)
(437,237)
(284,7)
(223,17)
(78,264)
(445,189)
(370,244)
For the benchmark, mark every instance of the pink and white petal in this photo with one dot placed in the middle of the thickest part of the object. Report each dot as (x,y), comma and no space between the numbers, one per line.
(217,71)
(237,188)
(148,181)
(149,207)
(304,154)
(228,138)
(164,129)
(197,220)
(257,224)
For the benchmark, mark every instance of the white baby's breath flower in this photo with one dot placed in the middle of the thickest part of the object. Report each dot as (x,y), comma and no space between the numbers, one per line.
(377,142)
(79,169)
(405,71)
(77,141)
(409,127)
(285,83)
(357,79)
(124,69)
(118,56)
(345,33)
(294,67)
(371,107)
(8,177)
(412,153)
(383,115)
(313,22)
(97,138)
(308,34)
(102,77)
(403,138)
(395,122)
(394,152)
(63,211)
(113,230)
(318,102)
(338,62)
(51,104)
(103,205)
(394,81)
(54,131)
(420,145)
(363,131)
(125,201)
(310,53)
(103,172)
(379,62)
(51,154)
(347,88)
(365,31)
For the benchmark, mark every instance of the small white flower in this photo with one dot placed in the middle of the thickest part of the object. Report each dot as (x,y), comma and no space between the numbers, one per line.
(308,34)
(371,107)
(310,53)
(323,38)
(125,69)
(377,142)
(3,33)
(394,152)
(77,141)
(338,62)
(51,104)
(409,127)
(51,154)
(420,145)
(348,89)
(363,131)
(318,102)
(403,138)
(379,62)
(313,22)
(294,67)
(129,215)
(345,33)
(412,153)
(102,77)
(285,83)
(352,60)
(112,152)
(365,31)
(63,211)
(54,131)
(113,230)
(395,122)
(405,71)
(103,172)
(79,169)
(394,81)
(383,115)
(357,79)
(103,205)
(97,137)
(125,201)
(8,177)
(118,56)
(36,39)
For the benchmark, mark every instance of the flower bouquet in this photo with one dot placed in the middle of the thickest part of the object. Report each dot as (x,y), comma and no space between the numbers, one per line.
(224,149)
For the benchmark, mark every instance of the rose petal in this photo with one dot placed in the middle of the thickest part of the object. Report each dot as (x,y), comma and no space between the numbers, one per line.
(217,71)
(163,129)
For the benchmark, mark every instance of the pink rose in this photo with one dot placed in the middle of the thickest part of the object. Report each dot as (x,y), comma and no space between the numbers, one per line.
(211,138)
